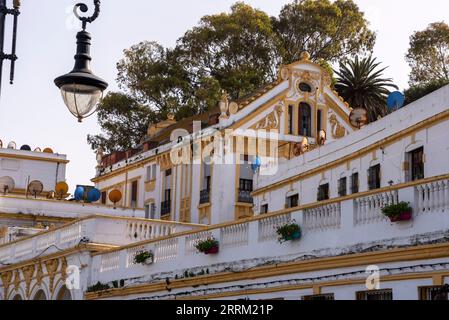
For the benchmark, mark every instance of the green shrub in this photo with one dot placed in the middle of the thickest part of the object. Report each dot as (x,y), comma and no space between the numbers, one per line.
(286,231)
(207,244)
(142,256)
(395,210)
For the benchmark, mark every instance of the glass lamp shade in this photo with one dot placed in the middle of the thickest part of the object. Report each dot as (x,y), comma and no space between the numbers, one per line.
(81,99)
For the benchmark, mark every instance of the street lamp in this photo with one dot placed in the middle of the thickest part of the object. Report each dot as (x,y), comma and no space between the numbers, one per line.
(80,88)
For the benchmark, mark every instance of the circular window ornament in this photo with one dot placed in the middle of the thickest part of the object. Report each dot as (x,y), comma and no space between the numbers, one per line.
(305,87)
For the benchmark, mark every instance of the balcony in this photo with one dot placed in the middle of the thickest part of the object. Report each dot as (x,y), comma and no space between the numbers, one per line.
(165,207)
(94,230)
(204,196)
(348,224)
(245,196)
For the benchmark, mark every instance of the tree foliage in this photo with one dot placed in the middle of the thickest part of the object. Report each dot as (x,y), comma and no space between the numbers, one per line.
(238,52)
(418,91)
(428,55)
(360,82)
(327,30)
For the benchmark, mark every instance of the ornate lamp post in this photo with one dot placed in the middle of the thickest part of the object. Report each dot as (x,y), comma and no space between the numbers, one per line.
(4,11)
(80,88)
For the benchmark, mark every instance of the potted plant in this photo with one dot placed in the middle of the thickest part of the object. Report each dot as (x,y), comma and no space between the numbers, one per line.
(398,212)
(144,257)
(207,246)
(288,232)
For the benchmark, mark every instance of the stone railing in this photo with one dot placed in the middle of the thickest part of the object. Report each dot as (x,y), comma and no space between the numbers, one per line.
(96,229)
(432,196)
(330,227)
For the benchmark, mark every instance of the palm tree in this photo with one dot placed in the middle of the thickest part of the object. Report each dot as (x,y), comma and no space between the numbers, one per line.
(362,86)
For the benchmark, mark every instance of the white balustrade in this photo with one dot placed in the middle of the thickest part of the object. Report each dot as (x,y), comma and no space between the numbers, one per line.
(45,241)
(166,249)
(433,196)
(71,233)
(191,240)
(267,226)
(322,218)
(131,253)
(110,261)
(234,235)
(147,230)
(369,209)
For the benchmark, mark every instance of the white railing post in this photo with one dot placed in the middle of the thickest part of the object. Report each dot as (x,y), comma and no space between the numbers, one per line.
(253,233)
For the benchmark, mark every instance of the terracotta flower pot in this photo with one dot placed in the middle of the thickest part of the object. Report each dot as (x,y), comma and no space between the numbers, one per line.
(213,250)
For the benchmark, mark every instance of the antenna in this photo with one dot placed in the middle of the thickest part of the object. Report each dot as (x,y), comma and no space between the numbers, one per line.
(25,147)
(395,101)
(61,189)
(12,145)
(35,188)
(6,184)
(115,196)
(358,117)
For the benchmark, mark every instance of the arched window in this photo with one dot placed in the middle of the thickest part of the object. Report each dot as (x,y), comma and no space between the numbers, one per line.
(64,294)
(305,120)
(40,295)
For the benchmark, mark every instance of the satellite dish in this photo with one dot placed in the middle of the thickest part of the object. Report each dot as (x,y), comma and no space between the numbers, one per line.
(322,136)
(12,145)
(25,147)
(395,101)
(48,150)
(79,194)
(358,117)
(61,189)
(94,195)
(37,150)
(35,188)
(6,184)
(115,196)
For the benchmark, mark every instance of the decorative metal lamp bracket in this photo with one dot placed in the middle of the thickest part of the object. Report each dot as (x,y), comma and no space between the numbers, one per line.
(4,10)
(84,8)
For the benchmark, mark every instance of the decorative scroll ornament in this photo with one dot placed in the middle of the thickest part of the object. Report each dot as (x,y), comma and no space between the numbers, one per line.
(39,274)
(28,273)
(63,268)
(6,282)
(16,280)
(338,131)
(84,8)
(271,121)
(52,267)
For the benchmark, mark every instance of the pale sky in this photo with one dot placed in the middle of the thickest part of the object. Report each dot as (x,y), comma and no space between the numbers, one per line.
(32,111)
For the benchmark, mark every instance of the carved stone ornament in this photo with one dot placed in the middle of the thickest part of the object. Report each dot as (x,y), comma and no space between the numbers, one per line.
(52,267)
(272,121)
(6,281)
(337,130)
(28,273)
(224,105)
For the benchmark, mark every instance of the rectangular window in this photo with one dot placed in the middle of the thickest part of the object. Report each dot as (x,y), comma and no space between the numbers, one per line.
(153,211)
(134,194)
(318,297)
(264,209)
(433,293)
(292,201)
(147,211)
(246,185)
(104,198)
(323,192)
(290,119)
(318,121)
(417,164)
(355,183)
(148,175)
(167,195)
(374,177)
(153,172)
(386,294)
(342,186)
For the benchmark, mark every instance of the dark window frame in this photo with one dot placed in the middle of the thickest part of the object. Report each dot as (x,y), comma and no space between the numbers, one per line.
(292,201)
(355,183)
(417,164)
(374,177)
(342,187)
(383,294)
(319,297)
(305,119)
(323,192)
(264,208)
